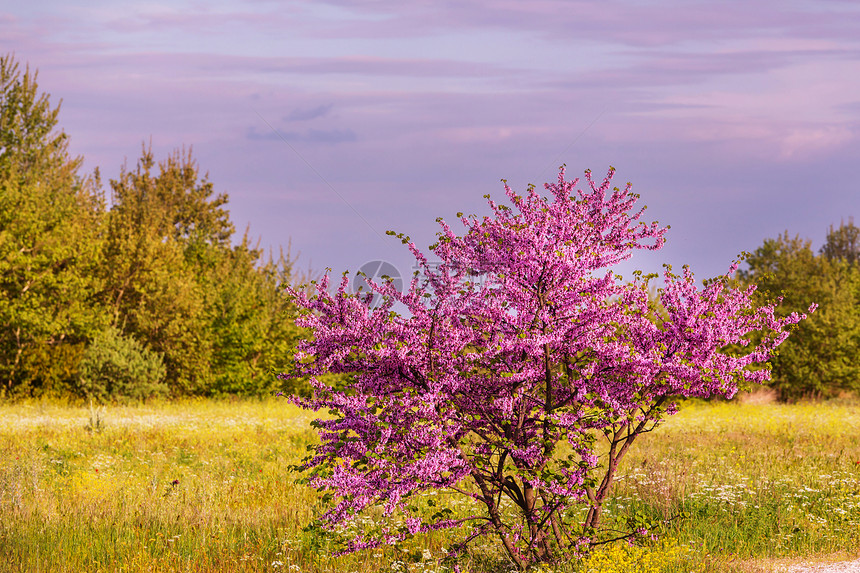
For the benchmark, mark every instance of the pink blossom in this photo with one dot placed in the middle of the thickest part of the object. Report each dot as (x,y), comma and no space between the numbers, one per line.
(476,388)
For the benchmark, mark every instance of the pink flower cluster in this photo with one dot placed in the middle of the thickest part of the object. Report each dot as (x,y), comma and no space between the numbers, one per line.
(474,390)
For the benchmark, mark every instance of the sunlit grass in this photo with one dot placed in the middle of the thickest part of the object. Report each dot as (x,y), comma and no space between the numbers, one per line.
(759,481)
(206,486)
(195,486)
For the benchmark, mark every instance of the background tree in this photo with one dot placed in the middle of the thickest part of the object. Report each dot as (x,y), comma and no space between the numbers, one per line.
(252,320)
(821,359)
(496,391)
(153,280)
(50,243)
(175,281)
(154,244)
(843,243)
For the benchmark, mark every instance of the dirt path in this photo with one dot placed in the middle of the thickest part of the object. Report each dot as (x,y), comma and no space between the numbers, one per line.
(840,567)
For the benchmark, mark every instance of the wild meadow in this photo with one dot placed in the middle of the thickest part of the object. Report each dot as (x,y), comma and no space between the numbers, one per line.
(207,486)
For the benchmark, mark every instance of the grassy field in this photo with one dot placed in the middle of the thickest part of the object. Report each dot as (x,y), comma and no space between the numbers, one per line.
(205,486)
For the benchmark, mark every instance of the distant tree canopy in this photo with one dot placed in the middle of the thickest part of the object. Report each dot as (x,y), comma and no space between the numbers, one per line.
(843,243)
(148,296)
(821,359)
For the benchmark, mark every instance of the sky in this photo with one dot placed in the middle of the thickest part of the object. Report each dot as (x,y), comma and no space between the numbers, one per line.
(328,122)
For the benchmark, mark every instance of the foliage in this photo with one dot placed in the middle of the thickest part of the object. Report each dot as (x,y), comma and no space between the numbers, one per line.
(150,287)
(253,339)
(822,359)
(50,243)
(651,558)
(496,390)
(213,310)
(118,366)
(157,266)
(843,243)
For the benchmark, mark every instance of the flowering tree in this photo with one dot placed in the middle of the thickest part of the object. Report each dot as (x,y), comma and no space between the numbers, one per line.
(495,389)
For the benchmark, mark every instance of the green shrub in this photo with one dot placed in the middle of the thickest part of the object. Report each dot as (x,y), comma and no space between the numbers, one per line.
(120,368)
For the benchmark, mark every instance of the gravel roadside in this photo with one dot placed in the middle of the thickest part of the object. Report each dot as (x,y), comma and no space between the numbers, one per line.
(840,567)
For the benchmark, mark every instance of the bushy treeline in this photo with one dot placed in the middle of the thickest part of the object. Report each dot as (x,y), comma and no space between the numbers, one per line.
(131,292)
(822,358)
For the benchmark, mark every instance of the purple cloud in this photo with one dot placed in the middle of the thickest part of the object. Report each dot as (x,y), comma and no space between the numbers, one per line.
(305,114)
(735,120)
(329,136)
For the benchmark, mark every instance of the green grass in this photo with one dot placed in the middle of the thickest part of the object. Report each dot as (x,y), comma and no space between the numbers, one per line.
(205,486)
(760,482)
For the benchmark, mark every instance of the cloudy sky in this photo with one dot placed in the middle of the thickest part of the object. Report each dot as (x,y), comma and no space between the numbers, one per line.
(330,121)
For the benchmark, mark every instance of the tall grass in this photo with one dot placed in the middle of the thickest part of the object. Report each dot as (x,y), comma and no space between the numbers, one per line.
(759,482)
(206,486)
